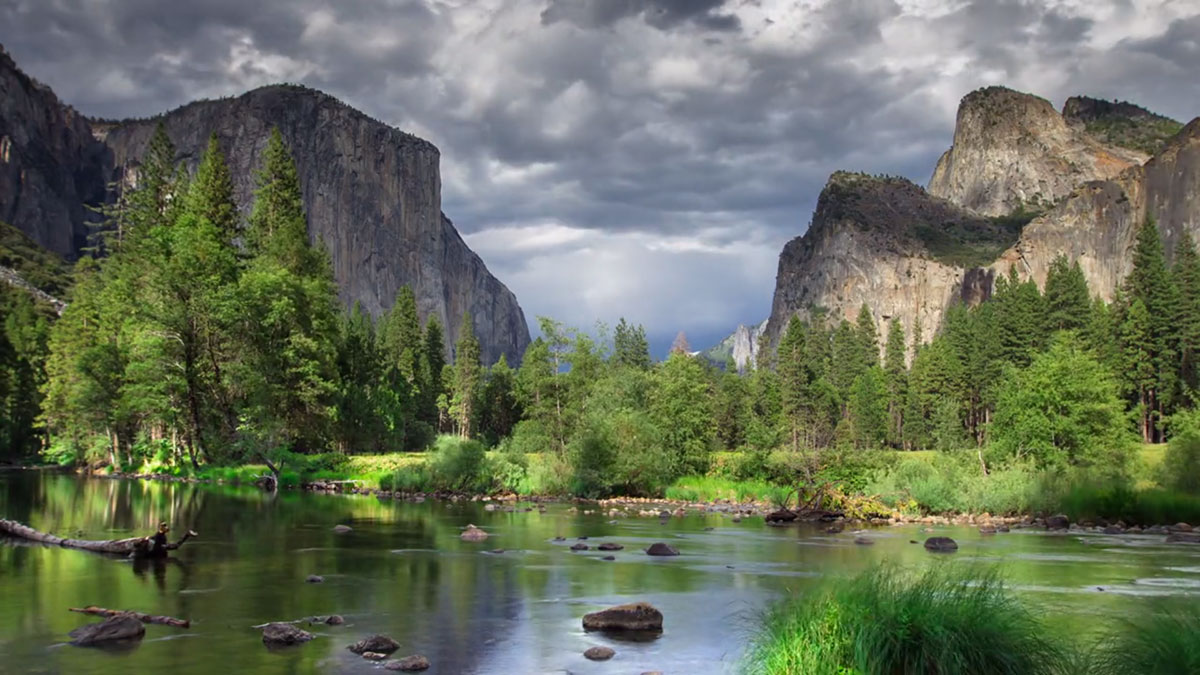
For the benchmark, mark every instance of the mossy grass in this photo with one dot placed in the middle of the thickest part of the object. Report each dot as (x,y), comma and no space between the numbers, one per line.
(950,620)
(1164,640)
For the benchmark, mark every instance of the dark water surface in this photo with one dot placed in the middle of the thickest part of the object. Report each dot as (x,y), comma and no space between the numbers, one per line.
(403,572)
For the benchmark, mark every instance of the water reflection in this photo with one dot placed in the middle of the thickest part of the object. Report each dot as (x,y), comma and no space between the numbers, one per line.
(403,571)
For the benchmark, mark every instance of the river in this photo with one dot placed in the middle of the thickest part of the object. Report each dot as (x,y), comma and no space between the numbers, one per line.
(404,572)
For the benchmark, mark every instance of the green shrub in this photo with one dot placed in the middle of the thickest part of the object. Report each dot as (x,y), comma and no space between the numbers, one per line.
(1085,500)
(405,479)
(1165,642)
(549,474)
(955,483)
(592,455)
(458,464)
(1180,469)
(948,620)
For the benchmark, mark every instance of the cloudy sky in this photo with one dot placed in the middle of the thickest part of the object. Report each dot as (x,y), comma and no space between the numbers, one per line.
(638,158)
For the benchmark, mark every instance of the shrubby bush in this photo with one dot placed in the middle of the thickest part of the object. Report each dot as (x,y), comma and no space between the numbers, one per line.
(1180,469)
(459,465)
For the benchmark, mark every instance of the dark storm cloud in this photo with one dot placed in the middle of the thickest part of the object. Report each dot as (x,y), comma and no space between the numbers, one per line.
(662,14)
(638,157)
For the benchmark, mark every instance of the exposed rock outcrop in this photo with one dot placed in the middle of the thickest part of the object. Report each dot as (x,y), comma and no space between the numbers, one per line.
(1097,224)
(372,193)
(741,346)
(50,166)
(890,244)
(1014,150)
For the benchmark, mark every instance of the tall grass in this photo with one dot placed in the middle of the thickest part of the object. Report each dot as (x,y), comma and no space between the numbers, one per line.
(710,488)
(1164,643)
(948,620)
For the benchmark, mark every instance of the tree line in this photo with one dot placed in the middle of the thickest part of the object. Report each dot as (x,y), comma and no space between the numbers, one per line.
(193,337)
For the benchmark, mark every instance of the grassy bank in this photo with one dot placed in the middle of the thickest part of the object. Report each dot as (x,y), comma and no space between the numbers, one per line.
(947,621)
(956,620)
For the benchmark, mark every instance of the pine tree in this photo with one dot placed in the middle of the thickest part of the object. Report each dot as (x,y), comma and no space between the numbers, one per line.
(1186,276)
(1150,282)
(278,227)
(500,407)
(1139,372)
(630,347)
(896,370)
(868,337)
(210,195)
(680,344)
(432,384)
(868,408)
(795,379)
(1019,318)
(1067,303)
(467,380)
(847,358)
(400,338)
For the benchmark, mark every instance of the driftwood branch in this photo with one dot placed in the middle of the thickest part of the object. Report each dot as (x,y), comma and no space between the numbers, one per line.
(144,618)
(132,545)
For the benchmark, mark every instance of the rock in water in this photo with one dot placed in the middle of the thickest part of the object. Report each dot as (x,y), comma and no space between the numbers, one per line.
(315,579)
(661,549)
(473,533)
(342,529)
(380,644)
(410,664)
(334,620)
(284,635)
(1183,538)
(117,628)
(1058,522)
(635,617)
(579,547)
(941,545)
(598,654)
(863,541)
(610,546)
(374,656)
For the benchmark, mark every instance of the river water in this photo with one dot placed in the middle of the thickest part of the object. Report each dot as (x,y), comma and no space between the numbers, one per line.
(404,572)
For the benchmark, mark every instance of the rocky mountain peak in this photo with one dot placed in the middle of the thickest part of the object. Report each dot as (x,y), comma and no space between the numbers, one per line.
(1013,151)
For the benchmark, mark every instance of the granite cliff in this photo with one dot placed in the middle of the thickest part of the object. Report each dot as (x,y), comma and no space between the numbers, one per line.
(1014,151)
(890,244)
(908,254)
(741,346)
(51,168)
(372,192)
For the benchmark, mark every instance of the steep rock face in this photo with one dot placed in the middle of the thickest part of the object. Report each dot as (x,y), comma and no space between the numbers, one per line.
(741,346)
(50,166)
(1097,224)
(372,194)
(1013,150)
(867,244)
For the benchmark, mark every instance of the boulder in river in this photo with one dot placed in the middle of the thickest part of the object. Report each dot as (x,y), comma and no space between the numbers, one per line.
(579,547)
(1183,538)
(610,546)
(473,533)
(374,656)
(609,557)
(1181,527)
(342,529)
(598,654)
(1058,522)
(409,664)
(334,620)
(115,629)
(284,635)
(863,541)
(315,579)
(380,644)
(633,617)
(941,545)
(661,549)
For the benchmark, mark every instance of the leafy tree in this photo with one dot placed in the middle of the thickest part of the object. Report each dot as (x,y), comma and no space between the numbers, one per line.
(500,407)
(680,407)
(1062,410)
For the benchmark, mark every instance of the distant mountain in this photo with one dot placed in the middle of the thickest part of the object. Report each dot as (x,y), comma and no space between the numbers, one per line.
(372,193)
(741,346)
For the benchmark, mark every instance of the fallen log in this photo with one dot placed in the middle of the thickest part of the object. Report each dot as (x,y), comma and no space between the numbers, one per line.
(130,546)
(144,618)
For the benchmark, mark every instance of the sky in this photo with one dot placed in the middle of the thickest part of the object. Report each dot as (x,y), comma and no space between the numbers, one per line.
(637,158)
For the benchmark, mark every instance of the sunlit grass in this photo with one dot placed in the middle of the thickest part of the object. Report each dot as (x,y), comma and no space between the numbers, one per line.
(709,489)
(1163,642)
(948,620)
